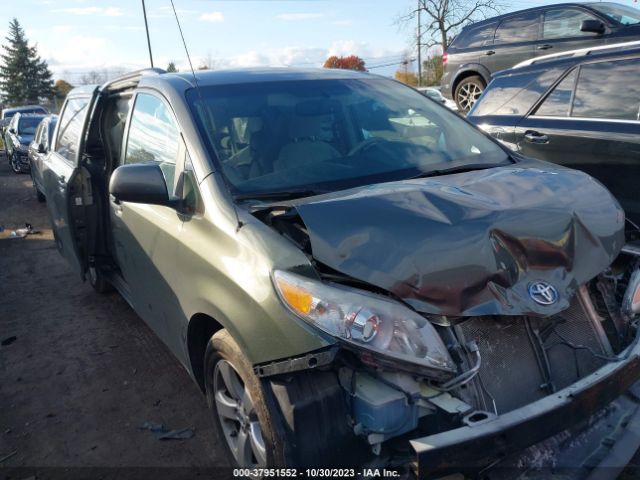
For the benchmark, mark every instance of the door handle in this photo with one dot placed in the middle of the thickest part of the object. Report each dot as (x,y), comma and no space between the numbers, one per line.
(546,46)
(535,137)
(490,52)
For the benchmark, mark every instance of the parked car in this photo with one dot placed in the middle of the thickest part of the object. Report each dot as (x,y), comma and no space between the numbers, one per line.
(352,273)
(7,113)
(17,138)
(501,42)
(39,148)
(579,109)
(435,94)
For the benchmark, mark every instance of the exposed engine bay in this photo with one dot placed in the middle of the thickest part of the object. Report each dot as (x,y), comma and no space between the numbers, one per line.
(553,336)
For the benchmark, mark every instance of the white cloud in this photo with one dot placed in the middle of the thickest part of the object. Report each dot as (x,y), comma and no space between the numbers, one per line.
(213,17)
(61,28)
(296,17)
(100,11)
(342,23)
(303,57)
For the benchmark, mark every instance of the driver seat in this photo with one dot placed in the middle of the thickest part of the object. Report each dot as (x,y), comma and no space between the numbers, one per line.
(304,147)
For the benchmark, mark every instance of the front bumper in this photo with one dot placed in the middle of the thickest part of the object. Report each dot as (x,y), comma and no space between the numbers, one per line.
(471,449)
(22,159)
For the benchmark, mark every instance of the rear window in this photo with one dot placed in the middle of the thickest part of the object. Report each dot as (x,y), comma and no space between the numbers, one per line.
(475,36)
(515,94)
(558,102)
(519,28)
(608,90)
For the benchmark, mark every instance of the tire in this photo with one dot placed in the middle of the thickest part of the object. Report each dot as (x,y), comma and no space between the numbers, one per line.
(13,161)
(468,91)
(97,279)
(236,419)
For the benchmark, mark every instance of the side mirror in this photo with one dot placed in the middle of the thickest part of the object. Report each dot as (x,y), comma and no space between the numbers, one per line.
(140,183)
(41,148)
(593,26)
(12,130)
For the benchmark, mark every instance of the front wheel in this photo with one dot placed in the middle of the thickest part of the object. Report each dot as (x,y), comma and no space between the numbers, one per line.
(468,92)
(242,420)
(15,163)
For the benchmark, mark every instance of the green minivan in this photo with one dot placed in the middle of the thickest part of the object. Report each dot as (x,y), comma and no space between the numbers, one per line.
(353,274)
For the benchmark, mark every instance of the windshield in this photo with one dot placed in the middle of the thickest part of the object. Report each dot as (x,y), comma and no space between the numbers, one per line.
(325,135)
(619,13)
(28,125)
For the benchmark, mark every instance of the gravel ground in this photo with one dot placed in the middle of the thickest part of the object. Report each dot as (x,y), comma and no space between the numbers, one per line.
(83,372)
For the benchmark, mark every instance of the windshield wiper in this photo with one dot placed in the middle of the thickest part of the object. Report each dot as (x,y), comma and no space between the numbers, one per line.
(279,194)
(459,169)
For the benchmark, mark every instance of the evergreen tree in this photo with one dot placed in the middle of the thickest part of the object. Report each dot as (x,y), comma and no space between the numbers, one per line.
(171,67)
(24,76)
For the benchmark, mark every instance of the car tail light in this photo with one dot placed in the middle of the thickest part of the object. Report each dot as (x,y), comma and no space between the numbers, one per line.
(445,57)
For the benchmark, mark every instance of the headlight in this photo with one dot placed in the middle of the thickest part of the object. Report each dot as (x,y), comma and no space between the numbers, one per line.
(364,320)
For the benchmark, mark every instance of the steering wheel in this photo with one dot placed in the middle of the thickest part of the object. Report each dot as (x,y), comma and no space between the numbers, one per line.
(365,145)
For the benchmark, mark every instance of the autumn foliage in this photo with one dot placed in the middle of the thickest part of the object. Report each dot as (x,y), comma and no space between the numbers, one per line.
(352,62)
(409,78)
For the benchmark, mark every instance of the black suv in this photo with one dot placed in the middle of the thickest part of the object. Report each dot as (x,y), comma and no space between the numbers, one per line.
(580,109)
(17,138)
(501,42)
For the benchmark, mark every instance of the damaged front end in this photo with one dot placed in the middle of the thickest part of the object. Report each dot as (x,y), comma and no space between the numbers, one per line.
(479,318)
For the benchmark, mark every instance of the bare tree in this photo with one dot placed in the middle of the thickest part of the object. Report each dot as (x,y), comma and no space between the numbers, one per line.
(441,20)
(93,77)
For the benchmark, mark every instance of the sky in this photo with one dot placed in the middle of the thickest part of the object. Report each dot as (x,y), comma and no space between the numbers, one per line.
(78,36)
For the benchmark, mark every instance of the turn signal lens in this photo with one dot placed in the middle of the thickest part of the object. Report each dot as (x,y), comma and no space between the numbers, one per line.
(631,302)
(297,298)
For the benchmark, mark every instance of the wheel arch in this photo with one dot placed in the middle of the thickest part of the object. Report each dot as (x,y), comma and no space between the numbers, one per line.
(469,71)
(200,330)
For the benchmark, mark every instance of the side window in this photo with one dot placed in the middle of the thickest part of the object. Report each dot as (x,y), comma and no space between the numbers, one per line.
(153,136)
(616,98)
(558,102)
(71,123)
(519,28)
(561,23)
(190,193)
(476,37)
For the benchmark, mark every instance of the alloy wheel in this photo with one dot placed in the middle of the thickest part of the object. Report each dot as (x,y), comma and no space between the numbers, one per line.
(15,166)
(468,95)
(238,417)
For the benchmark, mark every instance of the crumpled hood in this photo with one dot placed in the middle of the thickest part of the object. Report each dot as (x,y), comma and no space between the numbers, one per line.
(472,243)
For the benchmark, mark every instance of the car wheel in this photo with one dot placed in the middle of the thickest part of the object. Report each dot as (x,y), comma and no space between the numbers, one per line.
(242,420)
(468,92)
(97,279)
(15,164)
